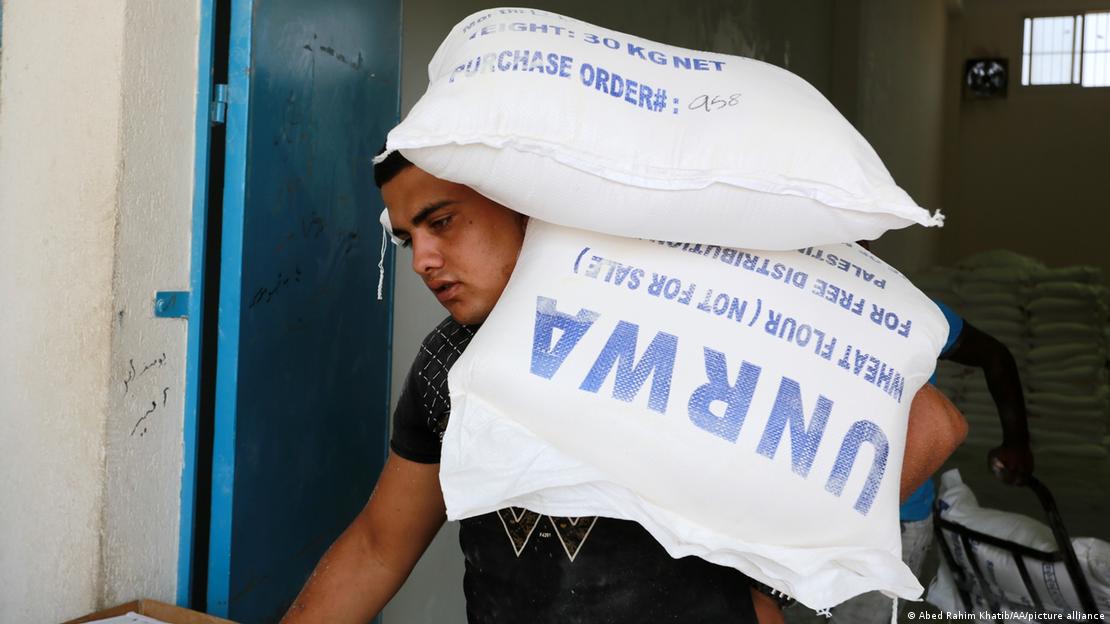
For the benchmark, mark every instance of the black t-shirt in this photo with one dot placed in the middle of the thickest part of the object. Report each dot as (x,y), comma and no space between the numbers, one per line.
(525,567)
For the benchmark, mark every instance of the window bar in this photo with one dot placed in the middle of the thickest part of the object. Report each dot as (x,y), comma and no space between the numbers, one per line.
(1092,69)
(1095,76)
(1061,64)
(1077,50)
(1062,77)
(1054,51)
(1050,65)
(1039,58)
(1032,57)
(1096,72)
(1027,52)
(1100,76)
(1055,45)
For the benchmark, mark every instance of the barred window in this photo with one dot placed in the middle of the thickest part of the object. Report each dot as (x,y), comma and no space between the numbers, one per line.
(1067,50)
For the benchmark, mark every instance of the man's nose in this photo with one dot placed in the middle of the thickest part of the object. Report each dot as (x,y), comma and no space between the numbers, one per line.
(426,256)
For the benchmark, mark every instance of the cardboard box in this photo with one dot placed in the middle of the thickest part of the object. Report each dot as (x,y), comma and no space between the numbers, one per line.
(158,610)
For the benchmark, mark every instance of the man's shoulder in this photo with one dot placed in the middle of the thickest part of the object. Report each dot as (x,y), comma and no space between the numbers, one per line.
(955,326)
(444,344)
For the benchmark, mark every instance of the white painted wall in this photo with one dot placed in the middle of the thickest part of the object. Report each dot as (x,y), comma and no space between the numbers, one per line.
(59,171)
(96,144)
(144,423)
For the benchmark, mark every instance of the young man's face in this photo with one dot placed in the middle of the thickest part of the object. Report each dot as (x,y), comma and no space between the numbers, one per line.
(464,246)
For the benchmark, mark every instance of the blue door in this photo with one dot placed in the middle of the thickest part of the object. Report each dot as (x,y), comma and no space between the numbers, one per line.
(301,394)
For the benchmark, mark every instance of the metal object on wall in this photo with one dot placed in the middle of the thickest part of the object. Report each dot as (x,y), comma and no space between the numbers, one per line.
(986,78)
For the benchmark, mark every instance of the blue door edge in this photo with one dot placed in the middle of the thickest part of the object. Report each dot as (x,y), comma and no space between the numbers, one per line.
(390,261)
(195,321)
(230,308)
(389,258)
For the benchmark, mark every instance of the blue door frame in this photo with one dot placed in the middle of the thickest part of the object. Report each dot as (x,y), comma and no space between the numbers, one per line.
(189,473)
(302,363)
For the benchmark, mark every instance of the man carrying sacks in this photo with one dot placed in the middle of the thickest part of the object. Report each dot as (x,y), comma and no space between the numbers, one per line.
(520,565)
(643,427)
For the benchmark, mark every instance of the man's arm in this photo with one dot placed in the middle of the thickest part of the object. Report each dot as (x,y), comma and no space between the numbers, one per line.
(935,429)
(375,554)
(1013,460)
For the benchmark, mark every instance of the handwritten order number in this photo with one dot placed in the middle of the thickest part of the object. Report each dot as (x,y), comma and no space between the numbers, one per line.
(715,103)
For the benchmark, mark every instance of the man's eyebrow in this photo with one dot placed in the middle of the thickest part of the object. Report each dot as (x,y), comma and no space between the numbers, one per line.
(424,213)
(427,211)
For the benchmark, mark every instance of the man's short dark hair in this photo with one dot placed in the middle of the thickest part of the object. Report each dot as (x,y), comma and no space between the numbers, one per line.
(387,169)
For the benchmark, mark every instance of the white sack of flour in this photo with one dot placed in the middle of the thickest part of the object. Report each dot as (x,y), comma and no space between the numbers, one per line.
(1051,580)
(591,128)
(746,407)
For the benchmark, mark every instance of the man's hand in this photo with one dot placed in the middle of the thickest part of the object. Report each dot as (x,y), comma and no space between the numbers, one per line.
(1013,465)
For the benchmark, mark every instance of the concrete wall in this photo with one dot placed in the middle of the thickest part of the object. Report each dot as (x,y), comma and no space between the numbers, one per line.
(1027,172)
(796,34)
(96,112)
(889,80)
(59,184)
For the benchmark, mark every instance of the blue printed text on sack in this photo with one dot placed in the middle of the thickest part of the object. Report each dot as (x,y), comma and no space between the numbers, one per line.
(532,61)
(750,312)
(704,407)
(635,50)
(624,88)
(844,264)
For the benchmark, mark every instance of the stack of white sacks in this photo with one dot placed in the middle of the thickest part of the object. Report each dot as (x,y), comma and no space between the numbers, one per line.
(991,291)
(1055,322)
(1053,585)
(1069,393)
(748,407)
